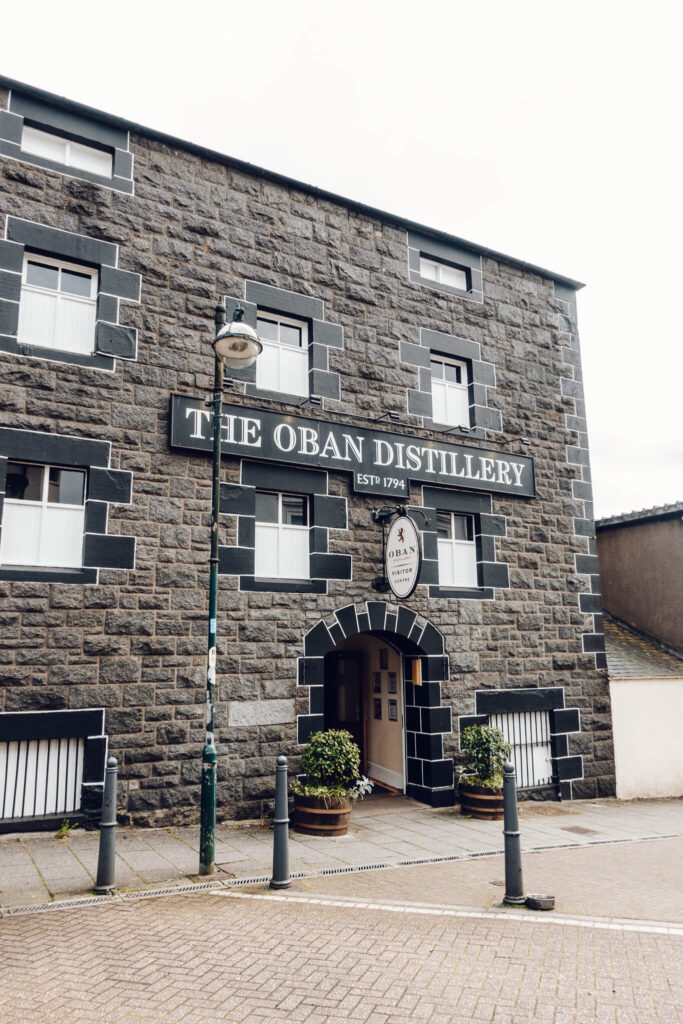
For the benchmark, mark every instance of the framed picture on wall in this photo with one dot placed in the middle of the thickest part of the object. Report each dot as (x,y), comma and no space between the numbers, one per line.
(393,711)
(384,657)
(376,682)
(377,708)
(393,684)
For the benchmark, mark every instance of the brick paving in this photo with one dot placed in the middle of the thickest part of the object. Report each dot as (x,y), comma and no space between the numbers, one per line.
(37,868)
(209,958)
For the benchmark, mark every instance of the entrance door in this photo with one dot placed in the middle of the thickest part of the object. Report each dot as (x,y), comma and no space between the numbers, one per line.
(364,694)
(384,717)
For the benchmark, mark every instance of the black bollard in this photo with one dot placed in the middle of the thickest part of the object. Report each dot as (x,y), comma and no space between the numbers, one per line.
(514,886)
(106,860)
(281,879)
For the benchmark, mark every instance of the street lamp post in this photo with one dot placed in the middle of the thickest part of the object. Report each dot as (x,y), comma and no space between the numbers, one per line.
(236,345)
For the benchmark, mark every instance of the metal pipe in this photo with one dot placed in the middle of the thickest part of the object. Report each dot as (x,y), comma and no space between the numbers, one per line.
(106,859)
(281,879)
(514,885)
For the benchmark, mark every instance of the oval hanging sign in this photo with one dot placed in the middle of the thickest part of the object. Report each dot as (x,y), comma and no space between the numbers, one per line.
(403,558)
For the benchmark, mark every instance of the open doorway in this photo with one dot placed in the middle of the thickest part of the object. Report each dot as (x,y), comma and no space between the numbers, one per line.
(364,694)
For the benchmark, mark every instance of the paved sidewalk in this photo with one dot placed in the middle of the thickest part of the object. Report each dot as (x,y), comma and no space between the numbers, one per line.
(38,867)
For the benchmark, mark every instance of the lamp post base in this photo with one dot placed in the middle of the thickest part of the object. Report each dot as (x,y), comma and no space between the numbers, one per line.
(207,827)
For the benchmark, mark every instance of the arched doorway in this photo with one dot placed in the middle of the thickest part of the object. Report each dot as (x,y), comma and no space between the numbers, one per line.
(354,637)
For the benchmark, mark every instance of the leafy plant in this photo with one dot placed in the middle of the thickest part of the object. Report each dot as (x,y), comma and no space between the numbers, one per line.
(331,762)
(64,829)
(485,751)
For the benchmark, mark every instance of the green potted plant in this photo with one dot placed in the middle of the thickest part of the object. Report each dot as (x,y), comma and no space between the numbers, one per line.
(323,799)
(485,751)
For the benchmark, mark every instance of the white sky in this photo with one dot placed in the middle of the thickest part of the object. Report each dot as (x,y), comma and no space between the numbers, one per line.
(548,131)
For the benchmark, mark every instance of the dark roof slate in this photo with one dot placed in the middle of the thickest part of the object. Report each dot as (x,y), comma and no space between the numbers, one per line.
(631,655)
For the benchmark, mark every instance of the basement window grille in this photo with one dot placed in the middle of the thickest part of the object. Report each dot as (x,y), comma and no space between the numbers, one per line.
(40,777)
(528,733)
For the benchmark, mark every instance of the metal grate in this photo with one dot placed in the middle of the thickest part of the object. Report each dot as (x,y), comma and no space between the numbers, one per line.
(40,777)
(528,733)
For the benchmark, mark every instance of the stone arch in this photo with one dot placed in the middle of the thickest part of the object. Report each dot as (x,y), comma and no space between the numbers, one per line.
(429,773)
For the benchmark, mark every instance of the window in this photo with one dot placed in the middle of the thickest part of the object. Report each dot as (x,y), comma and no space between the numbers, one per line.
(282,544)
(64,151)
(456,550)
(283,364)
(58,305)
(450,392)
(43,516)
(528,733)
(444,273)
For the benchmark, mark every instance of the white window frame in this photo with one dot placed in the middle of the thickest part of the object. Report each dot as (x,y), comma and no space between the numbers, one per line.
(283,532)
(439,273)
(78,155)
(269,368)
(52,558)
(450,400)
(83,345)
(451,552)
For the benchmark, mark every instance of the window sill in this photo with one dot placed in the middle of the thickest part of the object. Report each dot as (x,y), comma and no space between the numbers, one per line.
(463,593)
(55,355)
(47,574)
(446,289)
(281,586)
(275,396)
(464,433)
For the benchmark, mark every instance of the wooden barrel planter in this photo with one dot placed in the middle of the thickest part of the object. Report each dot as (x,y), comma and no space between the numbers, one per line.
(483,804)
(317,816)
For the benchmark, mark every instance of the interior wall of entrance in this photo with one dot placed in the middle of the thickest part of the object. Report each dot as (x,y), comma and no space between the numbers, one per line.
(364,694)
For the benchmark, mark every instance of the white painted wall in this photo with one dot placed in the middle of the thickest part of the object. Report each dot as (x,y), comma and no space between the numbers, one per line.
(647,716)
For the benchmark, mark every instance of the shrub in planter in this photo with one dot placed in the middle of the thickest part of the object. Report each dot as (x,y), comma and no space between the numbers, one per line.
(323,800)
(485,751)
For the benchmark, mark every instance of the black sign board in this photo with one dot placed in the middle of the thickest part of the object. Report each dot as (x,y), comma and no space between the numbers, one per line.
(381,463)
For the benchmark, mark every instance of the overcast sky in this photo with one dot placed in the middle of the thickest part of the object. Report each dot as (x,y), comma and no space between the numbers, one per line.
(551,132)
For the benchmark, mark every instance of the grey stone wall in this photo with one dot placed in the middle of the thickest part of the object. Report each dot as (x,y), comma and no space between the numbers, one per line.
(135,642)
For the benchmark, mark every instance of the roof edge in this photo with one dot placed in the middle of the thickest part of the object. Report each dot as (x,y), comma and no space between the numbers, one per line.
(645,515)
(282,179)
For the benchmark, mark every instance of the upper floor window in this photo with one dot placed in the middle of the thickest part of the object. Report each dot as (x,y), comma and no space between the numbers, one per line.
(58,305)
(450,392)
(456,550)
(43,516)
(50,146)
(282,545)
(444,273)
(283,364)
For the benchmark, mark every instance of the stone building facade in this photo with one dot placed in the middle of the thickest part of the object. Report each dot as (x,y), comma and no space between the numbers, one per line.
(108,647)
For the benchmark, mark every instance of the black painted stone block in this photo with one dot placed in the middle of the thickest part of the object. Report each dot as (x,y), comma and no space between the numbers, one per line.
(414,769)
(429,746)
(318,641)
(377,611)
(311,671)
(565,720)
(331,567)
(438,773)
(237,500)
(569,768)
(413,721)
(328,511)
(347,619)
(114,340)
(308,724)
(108,552)
(436,719)
(428,695)
(113,485)
(235,561)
